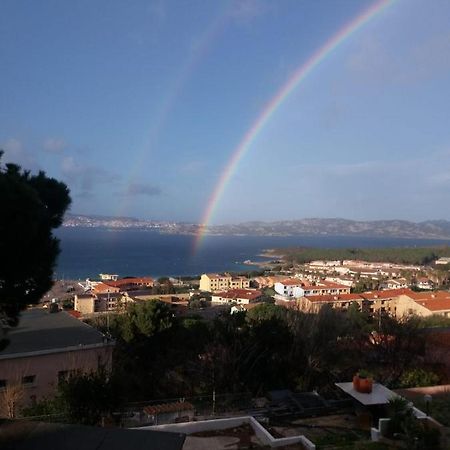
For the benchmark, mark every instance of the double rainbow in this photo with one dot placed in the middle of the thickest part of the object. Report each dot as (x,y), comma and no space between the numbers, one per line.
(271,107)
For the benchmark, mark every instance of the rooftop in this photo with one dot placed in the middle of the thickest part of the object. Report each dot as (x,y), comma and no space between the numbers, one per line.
(388,293)
(334,298)
(293,282)
(168,408)
(26,435)
(248,294)
(128,281)
(39,330)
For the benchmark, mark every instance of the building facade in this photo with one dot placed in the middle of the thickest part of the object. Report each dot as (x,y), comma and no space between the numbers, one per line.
(213,282)
(44,349)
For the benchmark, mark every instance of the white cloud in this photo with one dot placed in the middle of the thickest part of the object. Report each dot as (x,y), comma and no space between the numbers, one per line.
(15,152)
(146,189)
(84,178)
(54,144)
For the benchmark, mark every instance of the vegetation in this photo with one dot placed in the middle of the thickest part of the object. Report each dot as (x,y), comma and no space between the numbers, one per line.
(400,255)
(406,427)
(243,355)
(83,398)
(158,355)
(32,207)
(417,378)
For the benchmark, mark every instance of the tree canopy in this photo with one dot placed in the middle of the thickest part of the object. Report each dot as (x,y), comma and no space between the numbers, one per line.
(32,207)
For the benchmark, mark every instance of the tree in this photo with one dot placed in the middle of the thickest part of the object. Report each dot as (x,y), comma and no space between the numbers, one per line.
(145,320)
(32,207)
(87,397)
(11,398)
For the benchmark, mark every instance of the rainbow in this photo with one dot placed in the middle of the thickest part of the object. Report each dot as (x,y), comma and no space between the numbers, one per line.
(271,107)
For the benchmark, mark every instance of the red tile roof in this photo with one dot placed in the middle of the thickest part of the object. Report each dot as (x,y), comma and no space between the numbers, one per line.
(388,293)
(247,294)
(433,301)
(103,287)
(130,281)
(334,298)
(436,304)
(293,282)
(168,408)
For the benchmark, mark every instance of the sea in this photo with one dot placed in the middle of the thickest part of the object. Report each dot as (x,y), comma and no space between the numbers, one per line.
(86,252)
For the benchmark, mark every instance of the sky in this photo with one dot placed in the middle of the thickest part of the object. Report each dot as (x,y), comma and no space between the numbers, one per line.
(138,106)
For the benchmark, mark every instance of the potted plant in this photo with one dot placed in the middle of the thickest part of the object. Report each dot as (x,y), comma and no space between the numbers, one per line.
(363,382)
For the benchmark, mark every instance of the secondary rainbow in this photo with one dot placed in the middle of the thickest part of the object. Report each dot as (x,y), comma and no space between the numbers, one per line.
(270,108)
(196,56)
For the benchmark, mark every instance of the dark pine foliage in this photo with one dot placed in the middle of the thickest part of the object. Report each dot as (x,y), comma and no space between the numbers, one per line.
(32,207)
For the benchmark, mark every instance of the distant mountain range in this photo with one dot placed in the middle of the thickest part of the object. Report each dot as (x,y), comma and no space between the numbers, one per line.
(430,229)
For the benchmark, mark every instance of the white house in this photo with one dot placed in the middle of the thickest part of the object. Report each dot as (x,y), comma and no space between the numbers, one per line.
(239,296)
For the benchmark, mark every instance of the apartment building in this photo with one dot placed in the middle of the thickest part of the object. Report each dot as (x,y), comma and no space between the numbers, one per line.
(213,282)
(102,302)
(314,303)
(423,304)
(395,302)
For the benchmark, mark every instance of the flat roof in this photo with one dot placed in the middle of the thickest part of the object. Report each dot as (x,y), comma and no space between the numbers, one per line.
(380,394)
(39,330)
(27,435)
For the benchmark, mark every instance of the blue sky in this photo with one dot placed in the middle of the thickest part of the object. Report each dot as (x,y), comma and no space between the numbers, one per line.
(139,105)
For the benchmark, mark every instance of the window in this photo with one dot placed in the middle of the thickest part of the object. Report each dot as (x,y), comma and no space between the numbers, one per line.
(28,379)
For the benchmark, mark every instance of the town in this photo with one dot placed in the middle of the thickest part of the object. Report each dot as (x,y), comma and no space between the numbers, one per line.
(75,330)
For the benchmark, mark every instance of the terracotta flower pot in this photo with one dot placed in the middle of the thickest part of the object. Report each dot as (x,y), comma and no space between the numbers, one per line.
(365,385)
(356,382)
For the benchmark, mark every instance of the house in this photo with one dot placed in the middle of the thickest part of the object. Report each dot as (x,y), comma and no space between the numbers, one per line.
(287,286)
(84,303)
(424,283)
(400,283)
(240,296)
(243,307)
(103,288)
(108,277)
(345,281)
(442,261)
(266,282)
(295,288)
(213,282)
(44,348)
